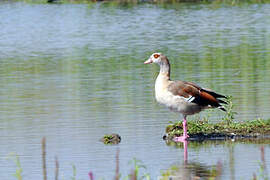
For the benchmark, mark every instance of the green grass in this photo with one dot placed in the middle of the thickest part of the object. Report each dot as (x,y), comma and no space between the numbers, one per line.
(254,128)
(203,129)
(107,138)
(111,139)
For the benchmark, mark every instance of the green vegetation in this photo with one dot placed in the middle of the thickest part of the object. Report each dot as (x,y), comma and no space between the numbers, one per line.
(203,129)
(19,170)
(229,116)
(137,166)
(74,172)
(227,128)
(111,139)
(263,169)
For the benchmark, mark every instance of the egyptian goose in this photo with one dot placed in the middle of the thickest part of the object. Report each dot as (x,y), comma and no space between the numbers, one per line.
(184,97)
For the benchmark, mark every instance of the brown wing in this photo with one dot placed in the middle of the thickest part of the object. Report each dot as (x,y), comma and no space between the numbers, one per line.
(196,94)
(181,88)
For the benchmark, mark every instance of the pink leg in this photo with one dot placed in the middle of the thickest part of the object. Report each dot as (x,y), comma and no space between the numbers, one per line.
(185,135)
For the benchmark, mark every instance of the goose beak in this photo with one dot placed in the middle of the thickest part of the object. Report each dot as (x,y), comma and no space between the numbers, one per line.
(149,61)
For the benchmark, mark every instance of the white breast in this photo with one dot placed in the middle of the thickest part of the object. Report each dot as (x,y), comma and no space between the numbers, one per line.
(173,102)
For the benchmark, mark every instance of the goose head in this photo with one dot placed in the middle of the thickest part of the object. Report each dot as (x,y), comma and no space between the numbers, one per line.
(156,58)
(161,60)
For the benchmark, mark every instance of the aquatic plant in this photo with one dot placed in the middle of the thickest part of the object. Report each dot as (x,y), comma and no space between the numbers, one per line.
(111,138)
(74,172)
(137,165)
(16,159)
(263,169)
(229,115)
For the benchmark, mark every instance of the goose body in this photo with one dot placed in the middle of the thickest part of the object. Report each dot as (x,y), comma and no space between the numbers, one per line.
(164,94)
(184,97)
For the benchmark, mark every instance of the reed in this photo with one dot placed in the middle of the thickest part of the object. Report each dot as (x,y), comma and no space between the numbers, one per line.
(263,168)
(56,168)
(117,175)
(44,168)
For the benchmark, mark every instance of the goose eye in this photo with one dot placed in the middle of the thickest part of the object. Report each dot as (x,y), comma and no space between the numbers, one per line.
(156,56)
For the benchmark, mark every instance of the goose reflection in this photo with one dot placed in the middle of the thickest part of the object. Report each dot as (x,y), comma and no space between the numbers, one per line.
(185,152)
(191,170)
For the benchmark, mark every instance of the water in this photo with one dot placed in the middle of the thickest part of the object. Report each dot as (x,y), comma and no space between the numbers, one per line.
(74,72)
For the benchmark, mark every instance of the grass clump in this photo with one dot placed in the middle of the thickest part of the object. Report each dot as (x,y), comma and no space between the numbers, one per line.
(255,127)
(229,116)
(227,128)
(111,139)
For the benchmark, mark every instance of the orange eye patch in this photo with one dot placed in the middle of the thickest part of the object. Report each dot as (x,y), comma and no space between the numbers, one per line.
(156,56)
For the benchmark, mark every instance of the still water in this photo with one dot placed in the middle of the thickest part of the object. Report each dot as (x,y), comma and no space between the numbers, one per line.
(74,72)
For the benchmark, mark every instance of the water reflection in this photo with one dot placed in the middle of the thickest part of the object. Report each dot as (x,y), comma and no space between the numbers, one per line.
(194,169)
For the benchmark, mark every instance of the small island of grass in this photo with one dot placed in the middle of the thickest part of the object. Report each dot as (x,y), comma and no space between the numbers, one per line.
(226,129)
(111,139)
(202,129)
